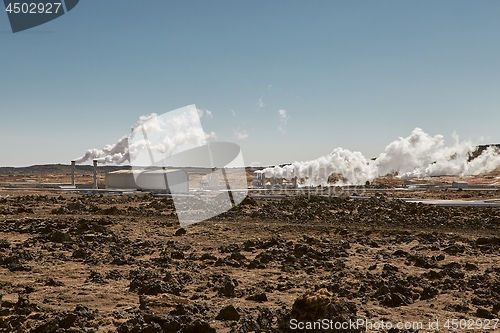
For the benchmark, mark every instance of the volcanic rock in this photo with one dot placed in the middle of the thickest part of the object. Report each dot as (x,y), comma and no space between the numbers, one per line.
(261,297)
(228,313)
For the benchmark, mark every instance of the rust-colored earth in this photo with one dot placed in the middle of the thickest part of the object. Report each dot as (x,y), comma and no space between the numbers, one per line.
(122,263)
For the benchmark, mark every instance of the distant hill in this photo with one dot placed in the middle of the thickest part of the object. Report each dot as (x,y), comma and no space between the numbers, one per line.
(63,169)
(58,169)
(479,150)
(88,169)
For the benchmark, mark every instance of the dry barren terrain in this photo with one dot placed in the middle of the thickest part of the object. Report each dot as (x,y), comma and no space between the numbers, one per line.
(107,263)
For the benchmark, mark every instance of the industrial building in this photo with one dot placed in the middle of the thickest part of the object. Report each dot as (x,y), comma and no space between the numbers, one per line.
(169,180)
(260,181)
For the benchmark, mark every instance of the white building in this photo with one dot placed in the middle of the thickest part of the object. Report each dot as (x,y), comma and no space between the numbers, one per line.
(170,180)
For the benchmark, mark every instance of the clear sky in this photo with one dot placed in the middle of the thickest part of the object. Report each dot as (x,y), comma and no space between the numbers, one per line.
(354,74)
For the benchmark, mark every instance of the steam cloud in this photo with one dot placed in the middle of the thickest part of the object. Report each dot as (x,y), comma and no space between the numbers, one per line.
(167,135)
(418,155)
(283,120)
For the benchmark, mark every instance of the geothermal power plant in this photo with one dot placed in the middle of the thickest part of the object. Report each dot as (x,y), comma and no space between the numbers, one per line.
(263,183)
(194,249)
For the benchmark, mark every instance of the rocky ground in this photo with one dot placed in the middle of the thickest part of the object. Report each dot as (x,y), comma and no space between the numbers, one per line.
(109,263)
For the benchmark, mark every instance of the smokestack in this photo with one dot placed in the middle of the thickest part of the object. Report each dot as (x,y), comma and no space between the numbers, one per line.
(73,167)
(95,175)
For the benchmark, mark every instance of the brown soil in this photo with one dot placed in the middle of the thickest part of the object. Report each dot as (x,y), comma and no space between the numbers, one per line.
(111,263)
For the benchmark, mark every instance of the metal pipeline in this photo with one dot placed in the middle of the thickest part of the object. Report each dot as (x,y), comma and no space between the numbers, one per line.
(95,175)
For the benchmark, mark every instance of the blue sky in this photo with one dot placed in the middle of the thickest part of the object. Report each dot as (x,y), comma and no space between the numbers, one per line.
(354,74)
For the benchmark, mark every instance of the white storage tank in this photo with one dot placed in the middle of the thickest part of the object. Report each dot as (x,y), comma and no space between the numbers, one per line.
(170,180)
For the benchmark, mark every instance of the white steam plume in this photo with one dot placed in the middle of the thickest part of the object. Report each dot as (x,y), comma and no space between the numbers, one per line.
(167,134)
(418,155)
(283,121)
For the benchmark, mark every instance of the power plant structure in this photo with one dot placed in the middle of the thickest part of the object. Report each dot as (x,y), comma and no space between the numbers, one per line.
(73,168)
(207,182)
(260,181)
(169,180)
(157,180)
(94,184)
